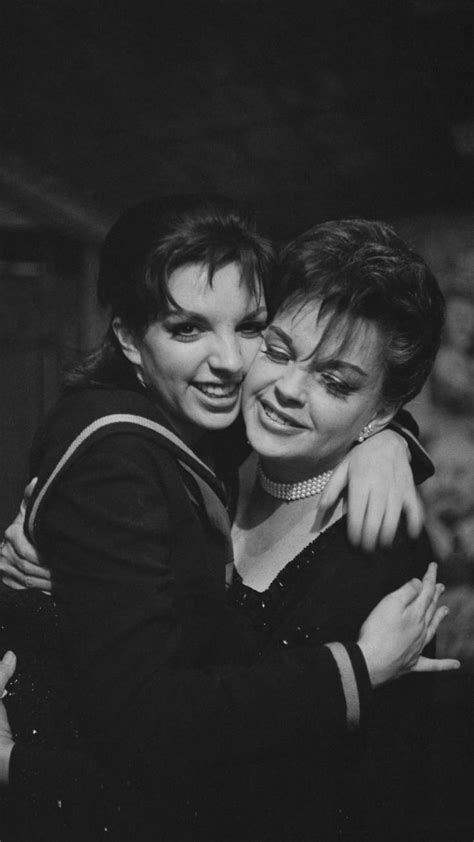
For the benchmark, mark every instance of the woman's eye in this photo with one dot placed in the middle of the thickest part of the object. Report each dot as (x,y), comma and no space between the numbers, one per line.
(185,331)
(251,329)
(336,387)
(275,353)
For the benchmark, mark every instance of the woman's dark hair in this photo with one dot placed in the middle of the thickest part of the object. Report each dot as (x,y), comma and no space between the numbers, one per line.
(153,239)
(150,241)
(357,269)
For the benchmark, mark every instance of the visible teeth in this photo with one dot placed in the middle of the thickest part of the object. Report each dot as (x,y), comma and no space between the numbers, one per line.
(218,391)
(275,416)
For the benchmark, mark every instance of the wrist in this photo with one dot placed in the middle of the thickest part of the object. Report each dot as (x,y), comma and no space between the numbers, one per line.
(6,747)
(378,672)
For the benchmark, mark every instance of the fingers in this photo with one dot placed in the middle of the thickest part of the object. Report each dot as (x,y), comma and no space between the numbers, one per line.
(415,514)
(373,518)
(356,512)
(19,563)
(430,612)
(390,521)
(16,543)
(9,574)
(18,583)
(408,592)
(435,664)
(7,669)
(428,590)
(14,584)
(438,618)
(35,577)
(27,494)
(25,568)
(389,512)
(332,493)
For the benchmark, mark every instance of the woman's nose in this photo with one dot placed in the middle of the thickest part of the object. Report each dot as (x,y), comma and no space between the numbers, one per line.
(291,386)
(226,355)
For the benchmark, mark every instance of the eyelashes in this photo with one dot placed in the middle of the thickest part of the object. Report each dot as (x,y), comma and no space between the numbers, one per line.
(337,387)
(334,385)
(186,331)
(189,331)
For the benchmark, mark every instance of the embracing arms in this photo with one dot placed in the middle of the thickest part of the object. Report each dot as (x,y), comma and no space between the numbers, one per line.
(378,477)
(137,690)
(391,639)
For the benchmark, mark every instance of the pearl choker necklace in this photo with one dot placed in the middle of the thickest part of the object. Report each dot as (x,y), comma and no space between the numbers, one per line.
(291,491)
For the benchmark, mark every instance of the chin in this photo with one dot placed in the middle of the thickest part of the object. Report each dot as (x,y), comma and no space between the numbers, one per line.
(265,448)
(218,421)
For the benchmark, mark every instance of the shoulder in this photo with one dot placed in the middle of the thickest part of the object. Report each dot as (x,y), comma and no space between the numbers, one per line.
(79,407)
(93,410)
(117,458)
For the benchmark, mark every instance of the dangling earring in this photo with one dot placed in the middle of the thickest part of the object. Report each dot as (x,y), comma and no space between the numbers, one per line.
(365,433)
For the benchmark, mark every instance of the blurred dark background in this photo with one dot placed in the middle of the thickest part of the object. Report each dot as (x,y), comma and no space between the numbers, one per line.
(309,111)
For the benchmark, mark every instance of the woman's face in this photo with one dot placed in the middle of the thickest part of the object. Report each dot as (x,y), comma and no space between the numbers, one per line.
(195,358)
(302,412)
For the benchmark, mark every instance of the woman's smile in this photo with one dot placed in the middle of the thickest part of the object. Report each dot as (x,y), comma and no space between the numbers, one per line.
(276,418)
(220,396)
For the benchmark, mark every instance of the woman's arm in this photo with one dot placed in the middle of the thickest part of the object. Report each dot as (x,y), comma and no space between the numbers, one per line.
(395,632)
(19,561)
(377,480)
(110,535)
(405,425)
(7,669)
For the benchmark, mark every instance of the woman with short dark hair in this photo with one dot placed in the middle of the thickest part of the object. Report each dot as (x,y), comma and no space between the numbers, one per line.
(357,326)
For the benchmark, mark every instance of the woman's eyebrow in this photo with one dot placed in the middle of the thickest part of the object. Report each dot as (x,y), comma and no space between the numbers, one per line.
(334,363)
(259,311)
(285,337)
(181,313)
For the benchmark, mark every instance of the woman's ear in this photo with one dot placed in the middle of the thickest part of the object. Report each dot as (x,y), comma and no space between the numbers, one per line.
(382,418)
(127,342)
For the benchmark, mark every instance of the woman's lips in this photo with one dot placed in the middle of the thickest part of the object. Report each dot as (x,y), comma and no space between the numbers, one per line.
(277,417)
(218,390)
(219,397)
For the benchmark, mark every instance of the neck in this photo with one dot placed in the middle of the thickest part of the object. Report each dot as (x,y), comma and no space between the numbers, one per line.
(292,491)
(195,437)
(278,471)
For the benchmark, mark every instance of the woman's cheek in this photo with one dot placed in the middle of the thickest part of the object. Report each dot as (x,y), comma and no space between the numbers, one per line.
(249,352)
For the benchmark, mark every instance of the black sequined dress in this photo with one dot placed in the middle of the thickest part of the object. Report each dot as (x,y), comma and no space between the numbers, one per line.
(366,788)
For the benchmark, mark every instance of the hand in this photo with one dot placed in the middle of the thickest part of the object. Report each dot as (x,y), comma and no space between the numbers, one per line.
(380,487)
(400,626)
(7,668)
(19,562)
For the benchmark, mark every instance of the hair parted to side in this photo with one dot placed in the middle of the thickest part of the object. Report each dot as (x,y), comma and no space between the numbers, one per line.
(356,270)
(150,241)
(147,244)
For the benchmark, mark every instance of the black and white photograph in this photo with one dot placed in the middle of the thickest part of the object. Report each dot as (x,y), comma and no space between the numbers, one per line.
(237,421)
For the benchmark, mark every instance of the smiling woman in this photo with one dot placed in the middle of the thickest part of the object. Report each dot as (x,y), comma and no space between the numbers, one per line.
(354,336)
(307,399)
(194,357)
